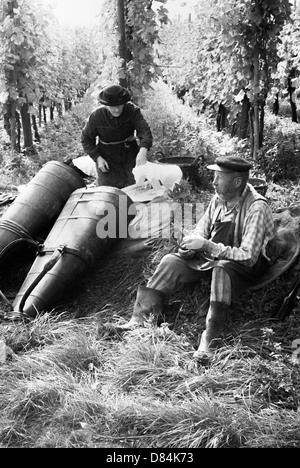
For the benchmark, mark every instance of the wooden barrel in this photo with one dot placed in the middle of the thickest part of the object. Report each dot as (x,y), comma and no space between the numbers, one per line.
(92,221)
(35,209)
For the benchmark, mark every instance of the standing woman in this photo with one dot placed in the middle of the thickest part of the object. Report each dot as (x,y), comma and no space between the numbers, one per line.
(110,137)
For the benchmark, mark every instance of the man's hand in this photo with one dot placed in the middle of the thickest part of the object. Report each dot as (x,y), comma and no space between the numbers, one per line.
(193,242)
(141,157)
(102,164)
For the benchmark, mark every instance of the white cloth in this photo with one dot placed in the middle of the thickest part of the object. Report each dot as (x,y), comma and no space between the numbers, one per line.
(158,174)
(86,165)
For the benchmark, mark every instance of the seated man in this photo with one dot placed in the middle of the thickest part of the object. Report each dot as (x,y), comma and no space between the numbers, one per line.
(229,241)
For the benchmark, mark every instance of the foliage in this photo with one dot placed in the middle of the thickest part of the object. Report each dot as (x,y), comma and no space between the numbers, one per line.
(178,130)
(39,63)
(279,156)
(59,142)
(142,37)
(73,61)
(237,50)
(227,33)
(183,71)
(142,24)
(22,39)
(23,49)
(288,51)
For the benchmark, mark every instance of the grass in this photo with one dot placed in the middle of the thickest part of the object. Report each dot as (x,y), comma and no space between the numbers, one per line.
(68,383)
(80,390)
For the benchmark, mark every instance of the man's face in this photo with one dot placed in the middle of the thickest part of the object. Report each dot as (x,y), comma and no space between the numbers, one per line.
(116,111)
(225,185)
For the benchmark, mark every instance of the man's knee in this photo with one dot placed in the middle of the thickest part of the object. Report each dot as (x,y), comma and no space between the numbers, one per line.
(170,261)
(220,272)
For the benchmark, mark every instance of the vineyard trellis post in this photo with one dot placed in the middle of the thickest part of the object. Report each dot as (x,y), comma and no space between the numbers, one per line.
(122,43)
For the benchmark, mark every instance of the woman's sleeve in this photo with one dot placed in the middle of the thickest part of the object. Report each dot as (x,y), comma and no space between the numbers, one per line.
(88,138)
(143,130)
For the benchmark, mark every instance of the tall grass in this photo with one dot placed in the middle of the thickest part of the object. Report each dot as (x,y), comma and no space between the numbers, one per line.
(78,390)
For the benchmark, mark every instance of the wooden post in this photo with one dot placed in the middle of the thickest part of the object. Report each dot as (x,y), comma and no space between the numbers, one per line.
(26,125)
(256,92)
(256,82)
(122,43)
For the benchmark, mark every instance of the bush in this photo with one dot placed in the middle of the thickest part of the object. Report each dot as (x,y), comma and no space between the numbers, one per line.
(279,157)
(60,141)
(179,132)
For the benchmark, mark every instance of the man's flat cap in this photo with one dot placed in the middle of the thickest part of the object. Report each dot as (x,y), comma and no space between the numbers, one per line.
(230,164)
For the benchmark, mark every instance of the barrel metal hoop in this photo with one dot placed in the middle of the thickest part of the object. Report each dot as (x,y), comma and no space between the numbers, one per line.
(65,167)
(14,228)
(64,249)
(50,190)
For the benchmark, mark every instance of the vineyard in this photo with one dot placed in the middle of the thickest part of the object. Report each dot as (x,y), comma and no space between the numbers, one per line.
(225,78)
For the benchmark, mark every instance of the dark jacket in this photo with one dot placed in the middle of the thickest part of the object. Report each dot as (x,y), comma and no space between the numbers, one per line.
(102,130)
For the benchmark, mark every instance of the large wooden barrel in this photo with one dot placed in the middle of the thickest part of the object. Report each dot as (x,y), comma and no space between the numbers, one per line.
(92,221)
(36,208)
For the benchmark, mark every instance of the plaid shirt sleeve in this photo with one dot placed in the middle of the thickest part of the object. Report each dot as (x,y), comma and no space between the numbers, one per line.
(204,226)
(258,229)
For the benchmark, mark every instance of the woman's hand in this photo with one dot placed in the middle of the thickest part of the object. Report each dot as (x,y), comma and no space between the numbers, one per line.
(141,157)
(102,164)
